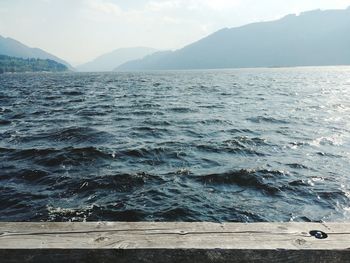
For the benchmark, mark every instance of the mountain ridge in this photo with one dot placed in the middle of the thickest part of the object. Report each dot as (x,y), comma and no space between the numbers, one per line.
(14,48)
(111,60)
(312,38)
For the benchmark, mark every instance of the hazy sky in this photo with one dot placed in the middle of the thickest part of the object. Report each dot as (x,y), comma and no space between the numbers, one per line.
(79,30)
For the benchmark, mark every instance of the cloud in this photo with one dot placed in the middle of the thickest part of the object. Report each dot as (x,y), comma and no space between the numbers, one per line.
(3,10)
(214,5)
(105,7)
(222,4)
(156,6)
(217,5)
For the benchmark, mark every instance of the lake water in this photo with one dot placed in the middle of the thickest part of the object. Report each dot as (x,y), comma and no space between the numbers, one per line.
(243,145)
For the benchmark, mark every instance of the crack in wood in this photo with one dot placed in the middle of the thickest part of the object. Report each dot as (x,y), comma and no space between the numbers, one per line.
(144,232)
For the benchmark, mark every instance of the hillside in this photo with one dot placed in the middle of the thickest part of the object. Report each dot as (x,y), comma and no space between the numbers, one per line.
(13,48)
(315,38)
(13,64)
(112,60)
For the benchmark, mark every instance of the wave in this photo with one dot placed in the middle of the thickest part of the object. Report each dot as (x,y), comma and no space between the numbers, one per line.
(255,179)
(154,154)
(72,93)
(118,182)
(262,119)
(181,110)
(334,140)
(5,122)
(55,157)
(125,150)
(71,135)
(227,148)
(93,213)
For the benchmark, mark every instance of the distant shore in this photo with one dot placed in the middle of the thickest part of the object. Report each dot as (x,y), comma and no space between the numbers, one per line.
(20,65)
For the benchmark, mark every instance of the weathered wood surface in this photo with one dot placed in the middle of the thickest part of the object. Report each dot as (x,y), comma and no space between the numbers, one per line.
(173,242)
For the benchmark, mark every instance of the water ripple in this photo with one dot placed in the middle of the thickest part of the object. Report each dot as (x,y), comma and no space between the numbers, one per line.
(231,145)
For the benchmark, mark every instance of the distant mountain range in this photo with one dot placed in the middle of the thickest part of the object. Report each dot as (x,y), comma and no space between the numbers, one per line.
(107,62)
(315,38)
(112,60)
(13,48)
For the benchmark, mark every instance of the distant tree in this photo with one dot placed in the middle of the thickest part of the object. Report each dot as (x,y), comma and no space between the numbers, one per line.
(14,64)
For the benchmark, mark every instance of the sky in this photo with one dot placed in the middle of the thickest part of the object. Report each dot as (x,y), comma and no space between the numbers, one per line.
(80,30)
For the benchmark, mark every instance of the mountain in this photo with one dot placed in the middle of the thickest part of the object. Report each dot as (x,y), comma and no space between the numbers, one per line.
(314,38)
(110,61)
(13,48)
(15,64)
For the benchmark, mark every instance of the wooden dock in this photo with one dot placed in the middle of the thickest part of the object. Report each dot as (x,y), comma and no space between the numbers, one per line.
(109,242)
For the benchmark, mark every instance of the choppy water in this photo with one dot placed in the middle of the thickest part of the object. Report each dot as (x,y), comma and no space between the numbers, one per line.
(235,145)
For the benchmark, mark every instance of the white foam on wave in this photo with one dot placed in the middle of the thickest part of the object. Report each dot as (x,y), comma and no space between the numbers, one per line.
(334,140)
(80,214)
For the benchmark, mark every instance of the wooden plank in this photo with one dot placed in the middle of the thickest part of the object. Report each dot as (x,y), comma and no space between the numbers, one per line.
(173,242)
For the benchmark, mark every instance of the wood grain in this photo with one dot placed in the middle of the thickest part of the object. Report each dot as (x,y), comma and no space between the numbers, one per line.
(173,242)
